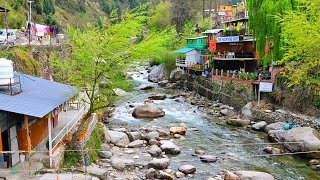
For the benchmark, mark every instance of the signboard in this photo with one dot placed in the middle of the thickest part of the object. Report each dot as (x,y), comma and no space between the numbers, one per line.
(265,87)
(229,39)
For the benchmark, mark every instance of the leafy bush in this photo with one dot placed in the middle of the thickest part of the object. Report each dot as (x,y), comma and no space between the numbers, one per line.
(253,76)
(316,103)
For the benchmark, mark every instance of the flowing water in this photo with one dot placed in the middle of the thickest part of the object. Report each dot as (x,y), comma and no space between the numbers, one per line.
(213,137)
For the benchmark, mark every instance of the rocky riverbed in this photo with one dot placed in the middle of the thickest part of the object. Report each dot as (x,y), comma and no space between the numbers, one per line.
(186,136)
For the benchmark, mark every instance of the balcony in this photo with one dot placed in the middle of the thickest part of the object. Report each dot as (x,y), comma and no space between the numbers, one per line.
(199,43)
(235,56)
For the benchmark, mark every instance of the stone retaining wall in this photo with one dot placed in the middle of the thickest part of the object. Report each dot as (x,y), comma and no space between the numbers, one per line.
(282,116)
(92,125)
(232,93)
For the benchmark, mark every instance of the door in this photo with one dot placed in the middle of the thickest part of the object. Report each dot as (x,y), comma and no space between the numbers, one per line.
(14,146)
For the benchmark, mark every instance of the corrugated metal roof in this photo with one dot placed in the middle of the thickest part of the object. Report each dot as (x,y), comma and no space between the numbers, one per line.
(184,50)
(38,98)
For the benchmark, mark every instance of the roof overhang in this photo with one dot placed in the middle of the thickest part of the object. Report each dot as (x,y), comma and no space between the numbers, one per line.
(185,50)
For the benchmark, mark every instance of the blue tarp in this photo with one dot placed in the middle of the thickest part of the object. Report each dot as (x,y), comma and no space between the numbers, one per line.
(184,50)
(38,97)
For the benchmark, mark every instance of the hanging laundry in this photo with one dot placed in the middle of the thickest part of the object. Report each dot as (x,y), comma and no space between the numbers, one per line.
(48,30)
(39,30)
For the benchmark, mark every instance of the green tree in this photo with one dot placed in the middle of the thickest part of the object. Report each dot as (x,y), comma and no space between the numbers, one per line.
(160,17)
(265,27)
(300,34)
(48,7)
(98,57)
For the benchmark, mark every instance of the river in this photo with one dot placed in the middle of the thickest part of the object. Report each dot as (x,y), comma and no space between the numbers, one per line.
(232,145)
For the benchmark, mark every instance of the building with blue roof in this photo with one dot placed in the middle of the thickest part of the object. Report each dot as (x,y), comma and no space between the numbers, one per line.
(29,109)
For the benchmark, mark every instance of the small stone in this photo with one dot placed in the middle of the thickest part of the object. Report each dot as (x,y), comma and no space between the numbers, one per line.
(199,151)
(272,150)
(178,130)
(136,157)
(152,174)
(152,135)
(164,175)
(136,144)
(182,138)
(155,151)
(163,133)
(169,171)
(146,155)
(153,142)
(259,126)
(129,151)
(105,154)
(224,112)
(187,169)
(160,164)
(177,136)
(230,176)
(184,125)
(314,162)
(180,174)
(120,154)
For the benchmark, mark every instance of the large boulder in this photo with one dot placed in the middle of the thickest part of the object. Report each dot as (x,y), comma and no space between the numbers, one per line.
(309,138)
(187,169)
(238,122)
(259,126)
(117,138)
(148,110)
(275,126)
(276,135)
(253,175)
(169,147)
(176,75)
(178,130)
(159,164)
(157,74)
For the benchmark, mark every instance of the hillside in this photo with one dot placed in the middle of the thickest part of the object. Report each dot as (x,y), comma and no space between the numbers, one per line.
(70,12)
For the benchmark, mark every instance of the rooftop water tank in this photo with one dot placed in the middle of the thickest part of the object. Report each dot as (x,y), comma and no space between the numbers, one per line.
(6,71)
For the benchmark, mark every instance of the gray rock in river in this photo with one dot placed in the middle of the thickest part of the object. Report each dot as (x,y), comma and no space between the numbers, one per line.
(187,169)
(145,87)
(253,175)
(272,150)
(157,74)
(238,122)
(309,138)
(259,126)
(136,144)
(169,147)
(178,130)
(159,164)
(275,126)
(208,158)
(134,135)
(152,174)
(152,135)
(157,97)
(276,135)
(148,110)
(117,138)
(163,83)
(155,151)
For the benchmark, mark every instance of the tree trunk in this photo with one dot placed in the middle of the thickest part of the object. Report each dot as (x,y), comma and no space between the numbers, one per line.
(75,135)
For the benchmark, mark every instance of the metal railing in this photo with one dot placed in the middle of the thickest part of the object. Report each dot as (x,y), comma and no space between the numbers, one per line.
(63,132)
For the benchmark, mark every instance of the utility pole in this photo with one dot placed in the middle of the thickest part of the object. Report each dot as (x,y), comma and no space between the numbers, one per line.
(6,19)
(29,20)
(203,9)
